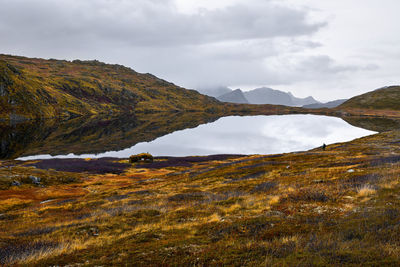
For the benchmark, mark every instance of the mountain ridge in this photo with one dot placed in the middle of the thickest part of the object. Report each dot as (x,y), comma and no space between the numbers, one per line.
(330,104)
(265,95)
(235,96)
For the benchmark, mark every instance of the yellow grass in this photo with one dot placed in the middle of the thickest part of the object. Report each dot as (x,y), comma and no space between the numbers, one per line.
(366,191)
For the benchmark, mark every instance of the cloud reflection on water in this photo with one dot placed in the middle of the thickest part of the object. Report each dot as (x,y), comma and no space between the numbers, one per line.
(245,135)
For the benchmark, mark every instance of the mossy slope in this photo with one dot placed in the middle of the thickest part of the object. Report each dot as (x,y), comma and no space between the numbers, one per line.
(386,98)
(39,88)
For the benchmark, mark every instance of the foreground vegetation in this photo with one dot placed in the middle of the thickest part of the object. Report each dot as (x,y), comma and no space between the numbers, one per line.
(338,206)
(316,208)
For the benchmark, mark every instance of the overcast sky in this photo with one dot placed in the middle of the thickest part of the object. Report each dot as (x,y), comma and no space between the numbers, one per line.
(328,49)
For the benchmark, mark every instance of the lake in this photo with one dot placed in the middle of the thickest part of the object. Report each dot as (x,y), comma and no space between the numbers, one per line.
(241,135)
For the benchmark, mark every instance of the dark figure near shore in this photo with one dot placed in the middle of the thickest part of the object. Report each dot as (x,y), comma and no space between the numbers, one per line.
(323,147)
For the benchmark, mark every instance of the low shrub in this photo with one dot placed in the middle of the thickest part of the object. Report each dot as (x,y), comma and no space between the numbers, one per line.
(264,187)
(308,194)
(141,157)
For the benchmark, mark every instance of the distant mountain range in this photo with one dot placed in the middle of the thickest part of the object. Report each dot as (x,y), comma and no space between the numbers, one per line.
(235,96)
(265,95)
(331,104)
(215,91)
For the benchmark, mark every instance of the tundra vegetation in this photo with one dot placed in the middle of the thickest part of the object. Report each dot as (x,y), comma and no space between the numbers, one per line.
(315,208)
(332,207)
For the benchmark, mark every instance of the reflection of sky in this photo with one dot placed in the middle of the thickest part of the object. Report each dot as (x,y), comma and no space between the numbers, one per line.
(245,135)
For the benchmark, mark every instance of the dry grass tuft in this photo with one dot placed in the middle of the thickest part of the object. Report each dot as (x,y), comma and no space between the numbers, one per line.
(366,191)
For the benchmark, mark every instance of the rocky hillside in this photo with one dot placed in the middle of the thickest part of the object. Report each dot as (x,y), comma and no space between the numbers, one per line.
(38,88)
(387,98)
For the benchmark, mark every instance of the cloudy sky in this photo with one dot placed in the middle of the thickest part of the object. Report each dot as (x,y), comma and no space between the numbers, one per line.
(328,49)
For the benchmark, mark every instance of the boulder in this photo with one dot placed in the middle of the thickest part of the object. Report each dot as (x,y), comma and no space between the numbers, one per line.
(35,180)
(15,183)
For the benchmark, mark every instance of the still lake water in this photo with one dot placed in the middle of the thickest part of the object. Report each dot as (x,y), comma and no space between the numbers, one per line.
(242,135)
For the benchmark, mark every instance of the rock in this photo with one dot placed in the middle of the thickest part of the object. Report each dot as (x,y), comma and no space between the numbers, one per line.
(3,90)
(350,171)
(94,231)
(17,118)
(275,213)
(35,180)
(319,210)
(47,201)
(16,183)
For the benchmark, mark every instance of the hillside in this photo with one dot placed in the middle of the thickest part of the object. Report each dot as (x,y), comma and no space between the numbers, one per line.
(39,88)
(235,96)
(387,98)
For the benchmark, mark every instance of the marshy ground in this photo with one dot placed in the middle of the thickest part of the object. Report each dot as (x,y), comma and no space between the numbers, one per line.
(335,207)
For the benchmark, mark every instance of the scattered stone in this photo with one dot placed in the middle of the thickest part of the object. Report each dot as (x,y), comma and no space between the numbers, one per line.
(35,180)
(16,183)
(94,231)
(143,192)
(149,180)
(275,213)
(318,181)
(47,201)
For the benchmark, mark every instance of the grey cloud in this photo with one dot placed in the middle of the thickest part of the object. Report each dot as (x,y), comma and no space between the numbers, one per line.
(139,22)
(255,42)
(325,64)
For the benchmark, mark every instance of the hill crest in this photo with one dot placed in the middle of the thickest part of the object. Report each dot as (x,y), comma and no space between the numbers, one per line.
(40,88)
(385,98)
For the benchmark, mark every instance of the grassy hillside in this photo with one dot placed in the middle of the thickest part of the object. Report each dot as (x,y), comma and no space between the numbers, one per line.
(33,88)
(387,98)
(338,207)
